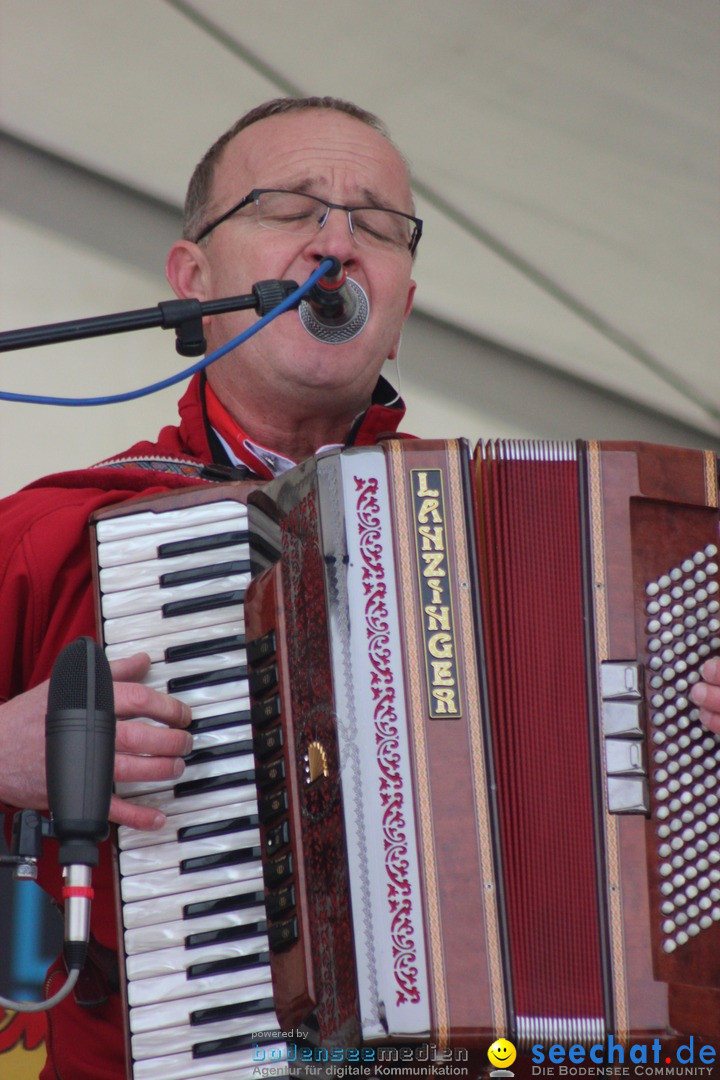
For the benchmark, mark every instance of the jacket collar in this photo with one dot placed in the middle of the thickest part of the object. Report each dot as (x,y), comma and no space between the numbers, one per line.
(382,417)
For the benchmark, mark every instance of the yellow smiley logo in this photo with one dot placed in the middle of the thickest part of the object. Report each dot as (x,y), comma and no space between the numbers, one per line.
(502,1053)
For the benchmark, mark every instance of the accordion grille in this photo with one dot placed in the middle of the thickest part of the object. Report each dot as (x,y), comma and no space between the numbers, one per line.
(531,561)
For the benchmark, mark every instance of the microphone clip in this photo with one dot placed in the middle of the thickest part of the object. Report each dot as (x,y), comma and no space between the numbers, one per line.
(28,829)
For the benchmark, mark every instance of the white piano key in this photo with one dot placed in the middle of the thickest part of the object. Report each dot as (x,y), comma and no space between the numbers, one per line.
(164,798)
(149,571)
(174,1013)
(219,708)
(149,624)
(239,1065)
(183,523)
(161,673)
(148,912)
(157,895)
(153,965)
(170,882)
(206,740)
(136,838)
(144,860)
(138,791)
(207,695)
(167,935)
(152,597)
(157,646)
(154,991)
(150,1044)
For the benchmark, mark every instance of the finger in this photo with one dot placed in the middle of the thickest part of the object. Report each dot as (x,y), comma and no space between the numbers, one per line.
(133,699)
(131,768)
(136,737)
(136,817)
(710,671)
(130,668)
(711,720)
(706,697)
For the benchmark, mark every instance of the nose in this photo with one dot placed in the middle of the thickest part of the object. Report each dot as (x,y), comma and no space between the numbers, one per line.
(334,238)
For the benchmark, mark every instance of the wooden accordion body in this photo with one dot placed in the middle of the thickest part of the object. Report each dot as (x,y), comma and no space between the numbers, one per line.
(486,804)
(483,669)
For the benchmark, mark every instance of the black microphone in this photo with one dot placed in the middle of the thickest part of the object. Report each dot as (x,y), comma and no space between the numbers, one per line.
(336,308)
(80,756)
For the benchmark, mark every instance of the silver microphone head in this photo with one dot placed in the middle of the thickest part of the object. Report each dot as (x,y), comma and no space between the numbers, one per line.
(329,331)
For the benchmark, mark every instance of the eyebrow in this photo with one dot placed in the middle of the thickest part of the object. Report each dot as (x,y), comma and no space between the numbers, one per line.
(310,184)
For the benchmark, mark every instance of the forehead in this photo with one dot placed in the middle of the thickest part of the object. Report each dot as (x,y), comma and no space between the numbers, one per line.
(321,150)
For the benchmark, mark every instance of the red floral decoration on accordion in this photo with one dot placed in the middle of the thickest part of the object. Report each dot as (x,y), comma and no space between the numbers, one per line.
(386,737)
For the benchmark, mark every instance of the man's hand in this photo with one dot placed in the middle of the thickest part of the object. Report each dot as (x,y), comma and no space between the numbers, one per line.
(706,695)
(142,751)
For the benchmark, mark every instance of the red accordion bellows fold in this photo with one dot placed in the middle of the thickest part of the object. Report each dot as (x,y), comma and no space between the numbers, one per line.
(534,613)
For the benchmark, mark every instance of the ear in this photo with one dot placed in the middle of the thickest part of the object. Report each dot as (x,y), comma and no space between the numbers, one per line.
(187,270)
(392,355)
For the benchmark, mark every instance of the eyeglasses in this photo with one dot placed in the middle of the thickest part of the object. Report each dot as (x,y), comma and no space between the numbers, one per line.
(294,212)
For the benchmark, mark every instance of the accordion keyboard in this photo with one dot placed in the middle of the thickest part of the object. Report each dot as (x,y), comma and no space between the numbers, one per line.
(200,998)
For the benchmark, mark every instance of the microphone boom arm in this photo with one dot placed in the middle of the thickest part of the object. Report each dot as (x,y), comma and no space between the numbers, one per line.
(184,316)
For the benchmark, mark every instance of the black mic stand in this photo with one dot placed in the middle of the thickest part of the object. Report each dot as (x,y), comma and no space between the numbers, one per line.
(184,316)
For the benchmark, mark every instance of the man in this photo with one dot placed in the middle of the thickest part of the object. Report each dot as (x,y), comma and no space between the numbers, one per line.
(262,407)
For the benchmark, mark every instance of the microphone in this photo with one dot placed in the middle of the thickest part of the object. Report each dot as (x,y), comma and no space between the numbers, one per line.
(80,755)
(336,309)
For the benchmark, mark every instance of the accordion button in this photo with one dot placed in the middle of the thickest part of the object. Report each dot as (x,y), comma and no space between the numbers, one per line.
(268,776)
(271,806)
(283,935)
(277,838)
(261,648)
(280,901)
(267,743)
(263,680)
(278,870)
(262,712)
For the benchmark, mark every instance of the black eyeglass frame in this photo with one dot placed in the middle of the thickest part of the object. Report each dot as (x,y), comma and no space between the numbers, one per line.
(256,192)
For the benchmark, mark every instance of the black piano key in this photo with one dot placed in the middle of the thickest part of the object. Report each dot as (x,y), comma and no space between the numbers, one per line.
(191,650)
(221,720)
(221,905)
(228,965)
(204,573)
(213,783)
(261,648)
(202,543)
(203,603)
(228,933)
(218,828)
(232,1012)
(217,753)
(232,1044)
(219,859)
(207,678)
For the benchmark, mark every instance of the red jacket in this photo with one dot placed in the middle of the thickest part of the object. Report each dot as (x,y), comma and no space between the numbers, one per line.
(46,600)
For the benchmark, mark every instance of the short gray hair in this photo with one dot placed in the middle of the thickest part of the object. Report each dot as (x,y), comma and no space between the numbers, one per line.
(199,190)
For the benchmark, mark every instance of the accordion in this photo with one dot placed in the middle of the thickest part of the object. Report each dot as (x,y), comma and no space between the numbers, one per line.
(484,803)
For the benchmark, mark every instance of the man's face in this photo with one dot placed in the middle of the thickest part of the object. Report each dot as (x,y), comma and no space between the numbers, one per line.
(338,158)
